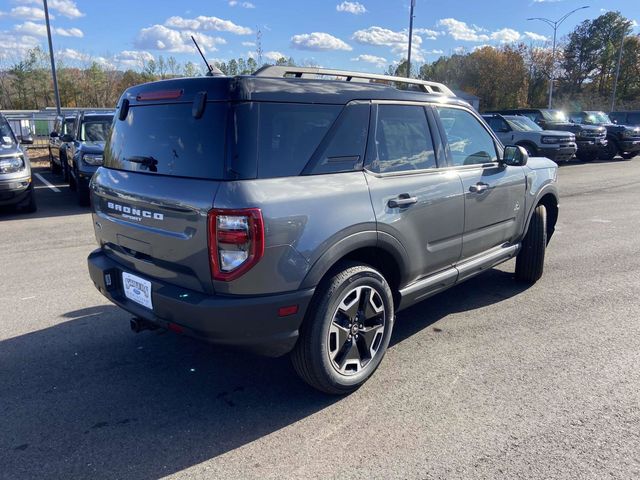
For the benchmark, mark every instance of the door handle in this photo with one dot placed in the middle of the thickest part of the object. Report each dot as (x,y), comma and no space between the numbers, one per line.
(403,200)
(479,187)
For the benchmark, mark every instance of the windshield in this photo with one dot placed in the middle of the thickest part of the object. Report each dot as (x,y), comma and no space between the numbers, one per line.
(6,134)
(523,124)
(95,129)
(555,116)
(597,118)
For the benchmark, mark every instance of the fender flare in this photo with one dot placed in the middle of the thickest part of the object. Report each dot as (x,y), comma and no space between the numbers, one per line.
(549,188)
(351,243)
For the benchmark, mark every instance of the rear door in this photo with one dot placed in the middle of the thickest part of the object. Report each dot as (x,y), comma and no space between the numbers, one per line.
(415,201)
(494,193)
(163,165)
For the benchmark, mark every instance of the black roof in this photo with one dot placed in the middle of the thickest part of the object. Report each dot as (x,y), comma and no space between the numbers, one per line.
(266,89)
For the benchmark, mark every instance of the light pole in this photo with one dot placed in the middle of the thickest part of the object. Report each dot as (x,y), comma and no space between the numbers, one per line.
(555,25)
(413,4)
(53,62)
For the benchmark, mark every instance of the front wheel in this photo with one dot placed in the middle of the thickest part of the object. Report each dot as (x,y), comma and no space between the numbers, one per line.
(532,151)
(610,151)
(347,330)
(629,155)
(530,259)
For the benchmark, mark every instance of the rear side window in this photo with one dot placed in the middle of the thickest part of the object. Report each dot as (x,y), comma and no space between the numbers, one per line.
(168,140)
(497,124)
(289,134)
(633,118)
(68,125)
(469,142)
(402,140)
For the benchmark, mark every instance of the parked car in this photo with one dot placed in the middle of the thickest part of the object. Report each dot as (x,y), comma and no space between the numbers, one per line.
(85,150)
(16,186)
(283,212)
(556,145)
(631,118)
(590,139)
(62,126)
(621,139)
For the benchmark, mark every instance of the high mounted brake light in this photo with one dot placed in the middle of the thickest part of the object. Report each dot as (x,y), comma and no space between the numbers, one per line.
(159,95)
(236,241)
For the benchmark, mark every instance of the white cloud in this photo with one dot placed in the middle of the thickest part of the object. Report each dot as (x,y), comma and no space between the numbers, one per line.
(40,30)
(318,41)
(461,31)
(159,37)
(398,41)
(506,35)
(29,13)
(14,46)
(207,23)
(355,8)
(73,55)
(67,8)
(427,33)
(273,55)
(233,3)
(479,47)
(248,44)
(377,61)
(536,37)
(434,52)
(133,58)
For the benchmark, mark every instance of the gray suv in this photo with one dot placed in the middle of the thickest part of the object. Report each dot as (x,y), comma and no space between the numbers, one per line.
(16,183)
(299,209)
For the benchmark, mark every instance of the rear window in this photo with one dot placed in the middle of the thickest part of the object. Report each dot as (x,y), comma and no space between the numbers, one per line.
(95,129)
(168,140)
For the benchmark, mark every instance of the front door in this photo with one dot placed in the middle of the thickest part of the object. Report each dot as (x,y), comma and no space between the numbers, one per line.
(494,192)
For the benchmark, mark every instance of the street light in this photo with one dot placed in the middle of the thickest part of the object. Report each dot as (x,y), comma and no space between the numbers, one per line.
(555,25)
(53,62)
(413,4)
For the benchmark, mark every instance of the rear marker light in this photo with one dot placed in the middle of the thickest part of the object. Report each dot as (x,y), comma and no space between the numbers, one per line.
(175,328)
(286,311)
(236,241)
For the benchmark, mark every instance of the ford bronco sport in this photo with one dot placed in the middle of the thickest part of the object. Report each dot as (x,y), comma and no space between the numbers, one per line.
(622,140)
(16,184)
(287,212)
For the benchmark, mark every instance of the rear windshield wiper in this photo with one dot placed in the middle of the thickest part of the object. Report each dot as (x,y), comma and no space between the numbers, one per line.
(148,162)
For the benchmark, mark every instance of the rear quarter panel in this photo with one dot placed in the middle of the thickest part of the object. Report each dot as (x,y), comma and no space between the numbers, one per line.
(303,216)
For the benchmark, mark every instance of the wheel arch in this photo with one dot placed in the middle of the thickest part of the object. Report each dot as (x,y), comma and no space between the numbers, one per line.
(549,198)
(525,143)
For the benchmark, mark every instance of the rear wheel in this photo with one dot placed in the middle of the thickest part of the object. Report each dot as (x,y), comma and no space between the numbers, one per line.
(347,330)
(629,155)
(530,259)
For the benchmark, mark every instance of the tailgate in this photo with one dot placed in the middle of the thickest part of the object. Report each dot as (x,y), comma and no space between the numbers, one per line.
(155,225)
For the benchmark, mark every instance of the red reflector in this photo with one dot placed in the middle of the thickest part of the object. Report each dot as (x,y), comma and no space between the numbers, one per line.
(175,328)
(239,236)
(286,311)
(159,95)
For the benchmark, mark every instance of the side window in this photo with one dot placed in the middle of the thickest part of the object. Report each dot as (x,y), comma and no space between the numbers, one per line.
(470,143)
(534,117)
(289,134)
(402,140)
(497,124)
(618,117)
(343,150)
(633,118)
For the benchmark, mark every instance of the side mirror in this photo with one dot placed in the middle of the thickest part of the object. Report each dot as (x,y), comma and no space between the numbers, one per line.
(515,156)
(53,134)
(26,140)
(66,138)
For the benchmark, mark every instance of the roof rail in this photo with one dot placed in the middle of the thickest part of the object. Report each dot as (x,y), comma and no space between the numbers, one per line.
(306,72)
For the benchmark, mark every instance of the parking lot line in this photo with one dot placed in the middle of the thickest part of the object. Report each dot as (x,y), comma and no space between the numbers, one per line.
(44,180)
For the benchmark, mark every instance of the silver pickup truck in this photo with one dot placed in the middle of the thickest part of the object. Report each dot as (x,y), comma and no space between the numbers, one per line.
(556,145)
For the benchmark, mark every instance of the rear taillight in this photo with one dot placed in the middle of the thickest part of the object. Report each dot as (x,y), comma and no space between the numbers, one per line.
(236,241)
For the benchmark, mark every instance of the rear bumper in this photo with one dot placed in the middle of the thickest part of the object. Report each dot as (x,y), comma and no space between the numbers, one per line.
(252,323)
(15,191)
(559,153)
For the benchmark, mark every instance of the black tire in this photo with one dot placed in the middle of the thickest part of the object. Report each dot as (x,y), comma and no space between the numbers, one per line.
(629,155)
(610,151)
(530,259)
(52,165)
(328,322)
(73,186)
(64,168)
(531,149)
(31,205)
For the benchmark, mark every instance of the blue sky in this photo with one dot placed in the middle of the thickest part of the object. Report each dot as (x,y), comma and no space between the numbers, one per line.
(361,35)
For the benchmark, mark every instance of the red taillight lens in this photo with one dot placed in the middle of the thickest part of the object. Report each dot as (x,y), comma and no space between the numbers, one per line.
(159,95)
(236,241)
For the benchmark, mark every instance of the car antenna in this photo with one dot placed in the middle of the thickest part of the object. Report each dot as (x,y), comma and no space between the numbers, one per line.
(213,70)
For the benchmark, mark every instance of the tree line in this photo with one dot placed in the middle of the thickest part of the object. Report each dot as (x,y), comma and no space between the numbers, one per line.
(515,75)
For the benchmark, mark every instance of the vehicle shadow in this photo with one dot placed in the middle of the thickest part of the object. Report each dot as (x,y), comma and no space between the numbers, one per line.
(85,398)
(576,162)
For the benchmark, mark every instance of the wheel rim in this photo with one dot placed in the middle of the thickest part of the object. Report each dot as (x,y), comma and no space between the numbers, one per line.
(356,330)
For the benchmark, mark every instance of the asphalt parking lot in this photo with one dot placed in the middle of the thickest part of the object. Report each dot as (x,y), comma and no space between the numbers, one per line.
(488,380)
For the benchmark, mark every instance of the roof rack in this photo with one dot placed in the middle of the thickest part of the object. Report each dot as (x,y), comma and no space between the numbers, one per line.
(306,72)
